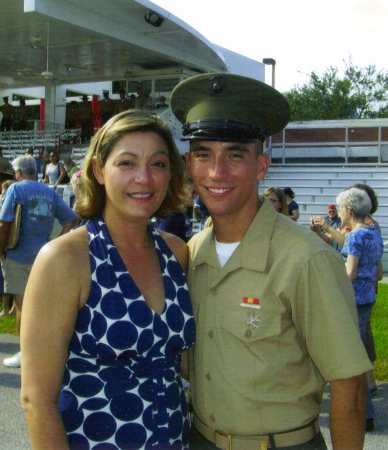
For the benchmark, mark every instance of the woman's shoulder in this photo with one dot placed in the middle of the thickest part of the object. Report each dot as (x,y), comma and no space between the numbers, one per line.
(67,251)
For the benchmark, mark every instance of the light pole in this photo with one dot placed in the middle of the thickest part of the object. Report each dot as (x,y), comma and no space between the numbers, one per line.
(271,62)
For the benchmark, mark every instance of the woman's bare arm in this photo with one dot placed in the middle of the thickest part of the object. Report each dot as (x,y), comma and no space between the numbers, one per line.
(58,286)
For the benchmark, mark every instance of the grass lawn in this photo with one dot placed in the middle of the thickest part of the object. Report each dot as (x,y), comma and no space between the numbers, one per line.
(8,325)
(379,328)
(379,324)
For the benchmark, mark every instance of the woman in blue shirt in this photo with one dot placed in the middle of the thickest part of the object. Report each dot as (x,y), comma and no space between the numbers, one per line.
(363,250)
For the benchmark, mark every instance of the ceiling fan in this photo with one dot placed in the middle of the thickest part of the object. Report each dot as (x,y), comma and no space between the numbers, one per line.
(27,71)
(90,65)
(47,74)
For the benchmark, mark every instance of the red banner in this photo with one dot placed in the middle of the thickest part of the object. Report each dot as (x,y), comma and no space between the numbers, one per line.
(42,113)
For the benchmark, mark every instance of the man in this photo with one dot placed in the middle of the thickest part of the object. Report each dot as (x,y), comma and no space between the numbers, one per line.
(268,336)
(107,107)
(40,206)
(123,104)
(8,115)
(44,162)
(334,221)
(85,119)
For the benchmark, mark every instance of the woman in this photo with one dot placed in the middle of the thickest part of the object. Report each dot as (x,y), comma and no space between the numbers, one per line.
(115,314)
(71,167)
(363,250)
(293,207)
(55,172)
(278,199)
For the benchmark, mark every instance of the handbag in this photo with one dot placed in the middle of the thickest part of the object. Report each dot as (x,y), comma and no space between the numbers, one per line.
(13,232)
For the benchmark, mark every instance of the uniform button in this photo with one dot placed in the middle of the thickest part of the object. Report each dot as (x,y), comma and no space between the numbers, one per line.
(208,376)
(215,291)
(248,333)
(212,417)
(211,334)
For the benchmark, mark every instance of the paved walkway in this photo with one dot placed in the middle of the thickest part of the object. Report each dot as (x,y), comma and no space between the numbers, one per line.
(14,432)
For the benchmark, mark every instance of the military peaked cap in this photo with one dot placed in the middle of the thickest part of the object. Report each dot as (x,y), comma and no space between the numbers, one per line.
(228,107)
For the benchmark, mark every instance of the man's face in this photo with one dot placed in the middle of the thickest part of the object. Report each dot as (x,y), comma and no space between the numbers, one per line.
(332,213)
(226,175)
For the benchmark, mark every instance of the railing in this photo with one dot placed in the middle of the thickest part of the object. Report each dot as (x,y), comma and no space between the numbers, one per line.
(355,147)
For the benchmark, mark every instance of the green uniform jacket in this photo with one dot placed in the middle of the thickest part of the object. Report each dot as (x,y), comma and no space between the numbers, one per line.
(268,376)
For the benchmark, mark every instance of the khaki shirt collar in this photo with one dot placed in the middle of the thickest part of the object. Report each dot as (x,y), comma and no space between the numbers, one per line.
(252,253)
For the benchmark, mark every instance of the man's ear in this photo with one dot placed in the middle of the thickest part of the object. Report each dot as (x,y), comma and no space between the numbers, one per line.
(188,163)
(98,170)
(263,166)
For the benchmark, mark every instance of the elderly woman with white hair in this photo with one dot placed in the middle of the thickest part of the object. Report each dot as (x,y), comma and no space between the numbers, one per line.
(363,250)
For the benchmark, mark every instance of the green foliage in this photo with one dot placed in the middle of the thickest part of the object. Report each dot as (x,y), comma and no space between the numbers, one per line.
(379,327)
(360,93)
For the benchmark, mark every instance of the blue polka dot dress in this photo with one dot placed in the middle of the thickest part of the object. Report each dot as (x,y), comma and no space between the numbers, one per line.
(122,388)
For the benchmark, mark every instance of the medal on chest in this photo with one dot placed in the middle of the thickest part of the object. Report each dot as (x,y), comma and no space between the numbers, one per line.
(252,304)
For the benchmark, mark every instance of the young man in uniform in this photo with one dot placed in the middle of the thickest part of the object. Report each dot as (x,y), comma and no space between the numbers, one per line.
(107,107)
(268,336)
(8,115)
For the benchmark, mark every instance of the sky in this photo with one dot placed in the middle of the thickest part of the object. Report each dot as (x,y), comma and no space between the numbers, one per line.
(301,35)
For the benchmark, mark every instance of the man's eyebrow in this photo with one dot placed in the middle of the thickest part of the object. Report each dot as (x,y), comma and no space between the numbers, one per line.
(232,148)
(199,147)
(238,147)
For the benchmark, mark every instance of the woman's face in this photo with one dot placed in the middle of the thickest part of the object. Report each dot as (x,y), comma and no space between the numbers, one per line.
(276,203)
(136,176)
(344,215)
(53,158)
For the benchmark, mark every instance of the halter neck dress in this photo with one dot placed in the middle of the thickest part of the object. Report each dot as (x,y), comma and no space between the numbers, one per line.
(122,388)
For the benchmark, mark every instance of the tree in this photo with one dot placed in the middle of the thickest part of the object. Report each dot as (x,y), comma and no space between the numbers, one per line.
(361,93)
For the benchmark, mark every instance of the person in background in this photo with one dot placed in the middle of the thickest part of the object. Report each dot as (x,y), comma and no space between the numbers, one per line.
(200,211)
(123,104)
(30,151)
(278,199)
(85,119)
(55,172)
(8,115)
(44,162)
(268,335)
(363,250)
(5,298)
(70,167)
(331,220)
(107,107)
(40,206)
(177,223)
(77,186)
(293,207)
(369,340)
(104,336)
(22,114)
(71,114)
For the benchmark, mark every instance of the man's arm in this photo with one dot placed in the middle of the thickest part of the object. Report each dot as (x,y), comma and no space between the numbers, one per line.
(348,413)
(4,229)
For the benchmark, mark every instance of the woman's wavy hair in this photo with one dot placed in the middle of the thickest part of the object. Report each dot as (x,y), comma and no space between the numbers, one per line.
(92,201)
(280,195)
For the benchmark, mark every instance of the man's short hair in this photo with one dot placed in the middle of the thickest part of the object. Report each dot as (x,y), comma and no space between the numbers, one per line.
(26,164)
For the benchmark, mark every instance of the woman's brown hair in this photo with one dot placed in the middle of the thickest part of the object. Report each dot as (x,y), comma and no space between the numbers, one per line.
(92,201)
(280,195)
